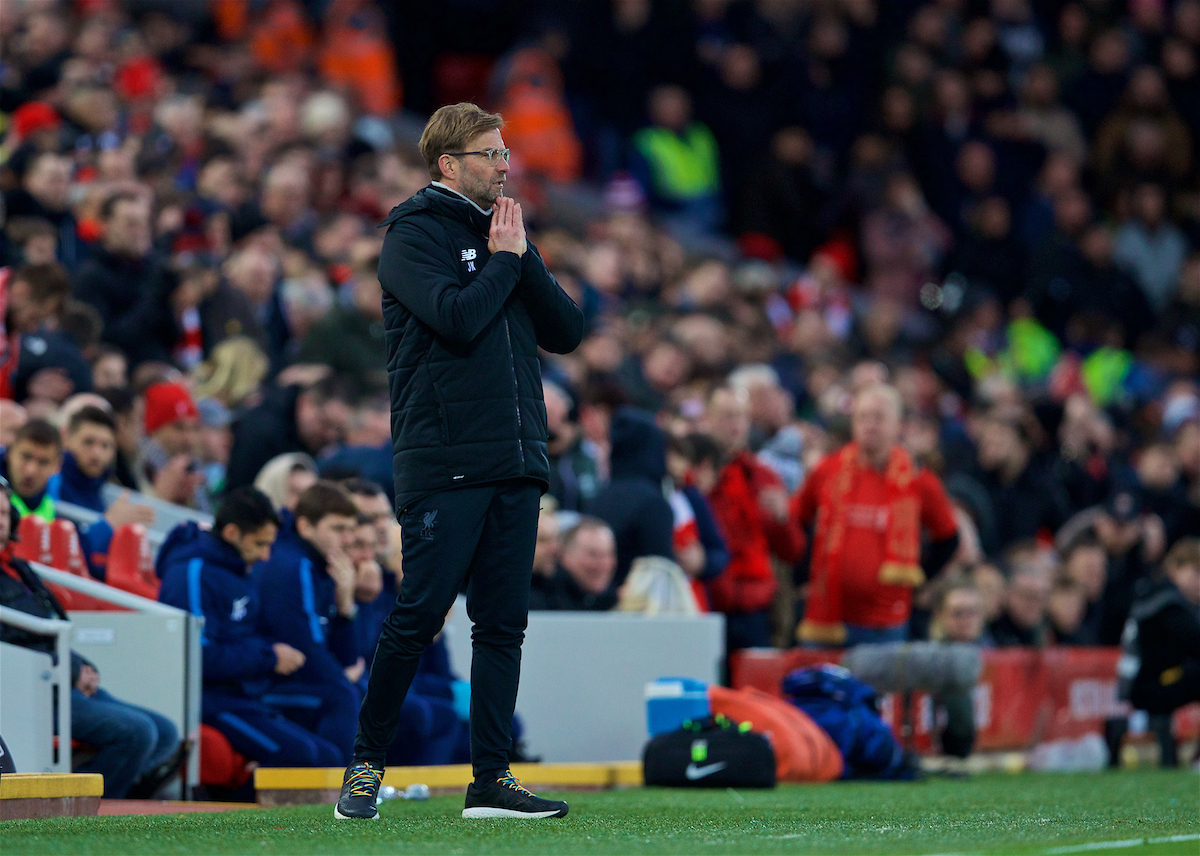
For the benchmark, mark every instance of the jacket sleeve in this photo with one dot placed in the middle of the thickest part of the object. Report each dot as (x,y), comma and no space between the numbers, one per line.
(557,321)
(226,657)
(716,554)
(419,273)
(343,641)
(289,613)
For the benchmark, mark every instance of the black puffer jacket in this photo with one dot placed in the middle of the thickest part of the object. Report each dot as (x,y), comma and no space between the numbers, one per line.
(462,329)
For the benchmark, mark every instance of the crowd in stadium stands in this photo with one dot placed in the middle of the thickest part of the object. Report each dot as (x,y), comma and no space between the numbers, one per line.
(893,312)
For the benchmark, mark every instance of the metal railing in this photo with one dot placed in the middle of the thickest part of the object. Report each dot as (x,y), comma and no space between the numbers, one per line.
(61,673)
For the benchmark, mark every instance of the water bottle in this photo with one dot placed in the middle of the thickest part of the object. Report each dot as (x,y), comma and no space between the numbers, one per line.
(417,791)
(387,792)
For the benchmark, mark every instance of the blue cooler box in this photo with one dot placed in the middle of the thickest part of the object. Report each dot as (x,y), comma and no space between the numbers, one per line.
(670,701)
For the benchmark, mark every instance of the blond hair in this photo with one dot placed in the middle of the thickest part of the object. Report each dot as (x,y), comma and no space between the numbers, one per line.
(233,370)
(1185,552)
(450,128)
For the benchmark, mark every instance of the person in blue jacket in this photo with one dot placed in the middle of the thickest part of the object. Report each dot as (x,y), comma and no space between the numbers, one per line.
(307,591)
(207,573)
(90,450)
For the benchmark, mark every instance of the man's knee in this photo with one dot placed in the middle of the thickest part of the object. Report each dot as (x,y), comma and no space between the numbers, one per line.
(133,731)
(409,632)
(498,634)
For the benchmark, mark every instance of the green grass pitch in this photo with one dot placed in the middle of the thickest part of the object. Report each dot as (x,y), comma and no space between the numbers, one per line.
(1018,814)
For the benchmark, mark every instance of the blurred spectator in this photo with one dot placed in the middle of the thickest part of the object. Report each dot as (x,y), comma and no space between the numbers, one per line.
(1085,565)
(867,505)
(545,555)
(574,464)
(45,193)
(349,339)
(128,411)
(367,450)
(285,477)
(214,443)
(28,465)
(699,546)
(1150,246)
(632,503)
(1066,608)
(1135,541)
(232,373)
(90,448)
(957,618)
(903,241)
(133,744)
(167,465)
(309,583)
(1026,500)
(138,298)
(1160,669)
(290,419)
(751,507)
(678,165)
(377,583)
(37,361)
(208,573)
(12,418)
(1022,621)
(584,580)
(110,369)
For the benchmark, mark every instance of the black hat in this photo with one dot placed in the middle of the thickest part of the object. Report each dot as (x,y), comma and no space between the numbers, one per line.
(1125,504)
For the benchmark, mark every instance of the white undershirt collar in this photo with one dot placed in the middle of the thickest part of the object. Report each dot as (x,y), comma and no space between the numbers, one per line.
(469,201)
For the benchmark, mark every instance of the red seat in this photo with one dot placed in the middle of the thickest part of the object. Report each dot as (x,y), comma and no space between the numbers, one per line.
(34,540)
(65,552)
(131,561)
(220,763)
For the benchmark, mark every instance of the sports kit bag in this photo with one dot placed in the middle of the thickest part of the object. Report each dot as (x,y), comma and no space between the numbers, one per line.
(710,753)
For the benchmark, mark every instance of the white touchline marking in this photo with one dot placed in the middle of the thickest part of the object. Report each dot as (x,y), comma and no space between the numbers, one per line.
(1121,845)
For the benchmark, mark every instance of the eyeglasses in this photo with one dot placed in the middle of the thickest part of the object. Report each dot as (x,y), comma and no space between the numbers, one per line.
(493,155)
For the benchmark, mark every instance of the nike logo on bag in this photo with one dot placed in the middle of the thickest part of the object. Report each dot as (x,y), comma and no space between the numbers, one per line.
(693,772)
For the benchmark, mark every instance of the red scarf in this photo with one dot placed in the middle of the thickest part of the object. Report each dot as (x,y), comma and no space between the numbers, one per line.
(823,621)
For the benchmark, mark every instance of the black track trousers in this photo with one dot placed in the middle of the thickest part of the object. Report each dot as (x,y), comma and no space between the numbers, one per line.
(485,536)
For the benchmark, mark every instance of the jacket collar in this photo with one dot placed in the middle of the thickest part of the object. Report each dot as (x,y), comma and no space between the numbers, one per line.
(446,189)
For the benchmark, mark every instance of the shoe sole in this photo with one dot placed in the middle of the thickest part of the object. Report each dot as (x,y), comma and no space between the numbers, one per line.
(481,812)
(338,814)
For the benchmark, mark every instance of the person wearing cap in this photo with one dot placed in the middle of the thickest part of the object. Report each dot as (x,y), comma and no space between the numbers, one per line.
(167,466)
(1134,539)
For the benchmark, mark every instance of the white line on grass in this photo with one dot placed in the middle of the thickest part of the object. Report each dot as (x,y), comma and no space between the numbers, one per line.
(1121,845)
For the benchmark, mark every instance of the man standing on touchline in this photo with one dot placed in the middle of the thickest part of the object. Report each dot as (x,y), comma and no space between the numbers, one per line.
(467,302)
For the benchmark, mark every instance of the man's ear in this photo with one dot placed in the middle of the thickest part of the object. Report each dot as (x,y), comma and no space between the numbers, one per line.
(305,528)
(447,165)
(230,533)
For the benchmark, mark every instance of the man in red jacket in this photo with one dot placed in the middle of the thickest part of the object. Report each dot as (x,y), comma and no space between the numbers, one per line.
(870,502)
(751,506)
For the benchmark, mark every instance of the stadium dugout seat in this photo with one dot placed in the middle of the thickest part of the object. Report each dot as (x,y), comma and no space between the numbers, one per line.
(221,765)
(131,561)
(33,544)
(66,554)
